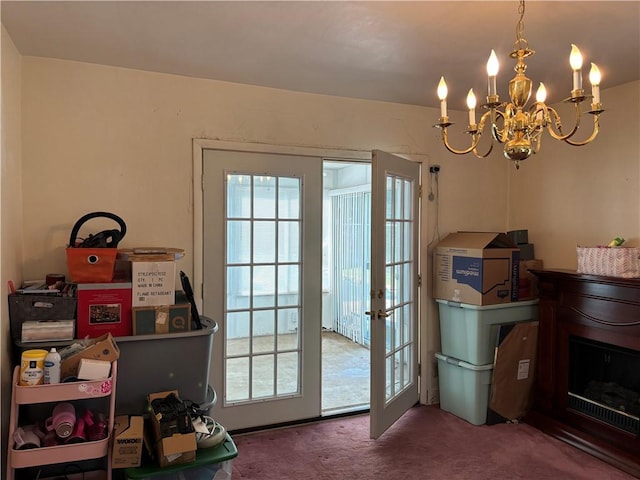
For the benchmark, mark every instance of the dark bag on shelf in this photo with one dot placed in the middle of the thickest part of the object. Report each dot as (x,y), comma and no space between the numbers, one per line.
(93,259)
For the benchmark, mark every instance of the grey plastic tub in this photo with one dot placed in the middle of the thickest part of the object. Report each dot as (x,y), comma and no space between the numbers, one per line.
(156,363)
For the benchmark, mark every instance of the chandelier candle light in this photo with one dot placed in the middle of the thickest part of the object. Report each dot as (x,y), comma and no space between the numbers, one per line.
(517,127)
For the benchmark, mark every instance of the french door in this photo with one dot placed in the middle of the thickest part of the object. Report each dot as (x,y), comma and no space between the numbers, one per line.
(262,258)
(394,289)
(262,283)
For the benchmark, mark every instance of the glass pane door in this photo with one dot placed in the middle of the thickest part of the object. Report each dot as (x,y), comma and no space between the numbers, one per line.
(262,244)
(394,287)
(263,301)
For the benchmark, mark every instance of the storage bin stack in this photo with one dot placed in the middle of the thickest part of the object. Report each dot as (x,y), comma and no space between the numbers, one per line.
(469,335)
(476,284)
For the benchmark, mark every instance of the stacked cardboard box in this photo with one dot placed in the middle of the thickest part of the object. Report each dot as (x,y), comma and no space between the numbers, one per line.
(142,298)
(477,268)
(155,306)
(528,284)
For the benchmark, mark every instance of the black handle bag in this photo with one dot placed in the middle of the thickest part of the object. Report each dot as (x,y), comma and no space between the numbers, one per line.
(93,259)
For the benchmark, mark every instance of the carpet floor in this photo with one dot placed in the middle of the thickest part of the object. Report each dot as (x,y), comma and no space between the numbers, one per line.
(426,443)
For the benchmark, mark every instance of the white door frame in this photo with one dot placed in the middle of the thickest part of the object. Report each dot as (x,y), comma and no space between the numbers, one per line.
(200,144)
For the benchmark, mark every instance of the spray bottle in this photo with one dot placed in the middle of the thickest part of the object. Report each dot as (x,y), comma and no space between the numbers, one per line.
(52,367)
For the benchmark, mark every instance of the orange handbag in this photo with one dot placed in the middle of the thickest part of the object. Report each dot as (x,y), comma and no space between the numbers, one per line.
(93,259)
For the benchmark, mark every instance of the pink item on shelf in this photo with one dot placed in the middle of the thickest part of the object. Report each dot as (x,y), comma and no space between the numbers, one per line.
(63,419)
(78,435)
(26,437)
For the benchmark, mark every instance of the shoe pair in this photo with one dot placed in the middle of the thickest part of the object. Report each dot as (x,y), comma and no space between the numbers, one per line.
(209,433)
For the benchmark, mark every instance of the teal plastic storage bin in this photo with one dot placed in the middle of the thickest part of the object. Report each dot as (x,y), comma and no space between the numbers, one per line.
(469,332)
(464,388)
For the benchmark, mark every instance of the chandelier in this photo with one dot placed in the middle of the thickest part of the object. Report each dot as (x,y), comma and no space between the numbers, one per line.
(514,124)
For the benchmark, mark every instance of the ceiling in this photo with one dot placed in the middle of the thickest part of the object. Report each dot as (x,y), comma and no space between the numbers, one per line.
(391,51)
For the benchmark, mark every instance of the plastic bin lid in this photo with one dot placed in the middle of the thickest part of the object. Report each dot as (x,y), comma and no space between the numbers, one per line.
(524,303)
(460,363)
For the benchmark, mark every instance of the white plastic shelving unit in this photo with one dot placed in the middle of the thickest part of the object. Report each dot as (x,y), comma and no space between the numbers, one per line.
(61,392)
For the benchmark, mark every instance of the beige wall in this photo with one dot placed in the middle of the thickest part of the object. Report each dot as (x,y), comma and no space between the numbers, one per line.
(568,196)
(103,138)
(11,213)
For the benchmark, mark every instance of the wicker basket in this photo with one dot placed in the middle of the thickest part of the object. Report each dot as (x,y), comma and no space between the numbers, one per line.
(609,261)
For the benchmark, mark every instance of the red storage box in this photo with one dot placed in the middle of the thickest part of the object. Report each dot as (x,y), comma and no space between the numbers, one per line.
(104,308)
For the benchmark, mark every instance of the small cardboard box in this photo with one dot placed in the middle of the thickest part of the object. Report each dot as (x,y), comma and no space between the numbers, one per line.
(102,348)
(174,449)
(161,319)
(128,432)
(154,282)
(102,308)
(514,370)
(476,268)
(528,281)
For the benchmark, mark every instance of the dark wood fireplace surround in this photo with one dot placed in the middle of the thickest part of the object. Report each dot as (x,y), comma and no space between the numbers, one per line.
(604,309)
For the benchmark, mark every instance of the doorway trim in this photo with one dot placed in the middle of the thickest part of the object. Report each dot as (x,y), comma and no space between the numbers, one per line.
(201,144)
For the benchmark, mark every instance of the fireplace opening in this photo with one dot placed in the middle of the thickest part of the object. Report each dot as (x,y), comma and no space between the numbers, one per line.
(604,382)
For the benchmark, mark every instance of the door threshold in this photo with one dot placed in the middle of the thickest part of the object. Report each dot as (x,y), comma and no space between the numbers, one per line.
(331,415)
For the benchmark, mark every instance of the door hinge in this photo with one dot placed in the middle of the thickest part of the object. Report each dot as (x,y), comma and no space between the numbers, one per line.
(419,280)
(419,191)
(419,369)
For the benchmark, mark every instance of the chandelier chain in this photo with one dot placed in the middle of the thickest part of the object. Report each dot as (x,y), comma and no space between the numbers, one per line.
(521,42)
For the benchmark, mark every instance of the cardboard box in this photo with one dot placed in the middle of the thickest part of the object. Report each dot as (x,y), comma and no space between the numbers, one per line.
(90,369)
(154,282)
(528,287)
(514,370)
(102,348)
(161,319)
(174,449)
(102,308)
(128,432)
(477,268)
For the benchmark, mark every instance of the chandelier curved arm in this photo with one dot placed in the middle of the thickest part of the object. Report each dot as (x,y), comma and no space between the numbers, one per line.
(476,134)
(484,155)
(481,125)
(594,134)
(445,138)
(499,134)
(553,123)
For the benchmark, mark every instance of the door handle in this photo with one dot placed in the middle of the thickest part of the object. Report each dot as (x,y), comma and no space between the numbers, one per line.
(378,314)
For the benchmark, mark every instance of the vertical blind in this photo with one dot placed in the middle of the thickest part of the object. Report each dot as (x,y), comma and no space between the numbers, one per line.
(351,257)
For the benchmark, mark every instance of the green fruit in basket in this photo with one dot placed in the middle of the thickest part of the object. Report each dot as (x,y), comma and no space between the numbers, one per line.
(616,242)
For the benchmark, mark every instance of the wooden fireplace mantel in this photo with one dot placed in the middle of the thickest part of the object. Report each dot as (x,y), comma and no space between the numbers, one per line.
(604,309)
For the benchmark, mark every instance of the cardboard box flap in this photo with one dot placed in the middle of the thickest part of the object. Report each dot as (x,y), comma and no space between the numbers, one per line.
(479,240)
(101,348)
(126,426)
(178,444)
